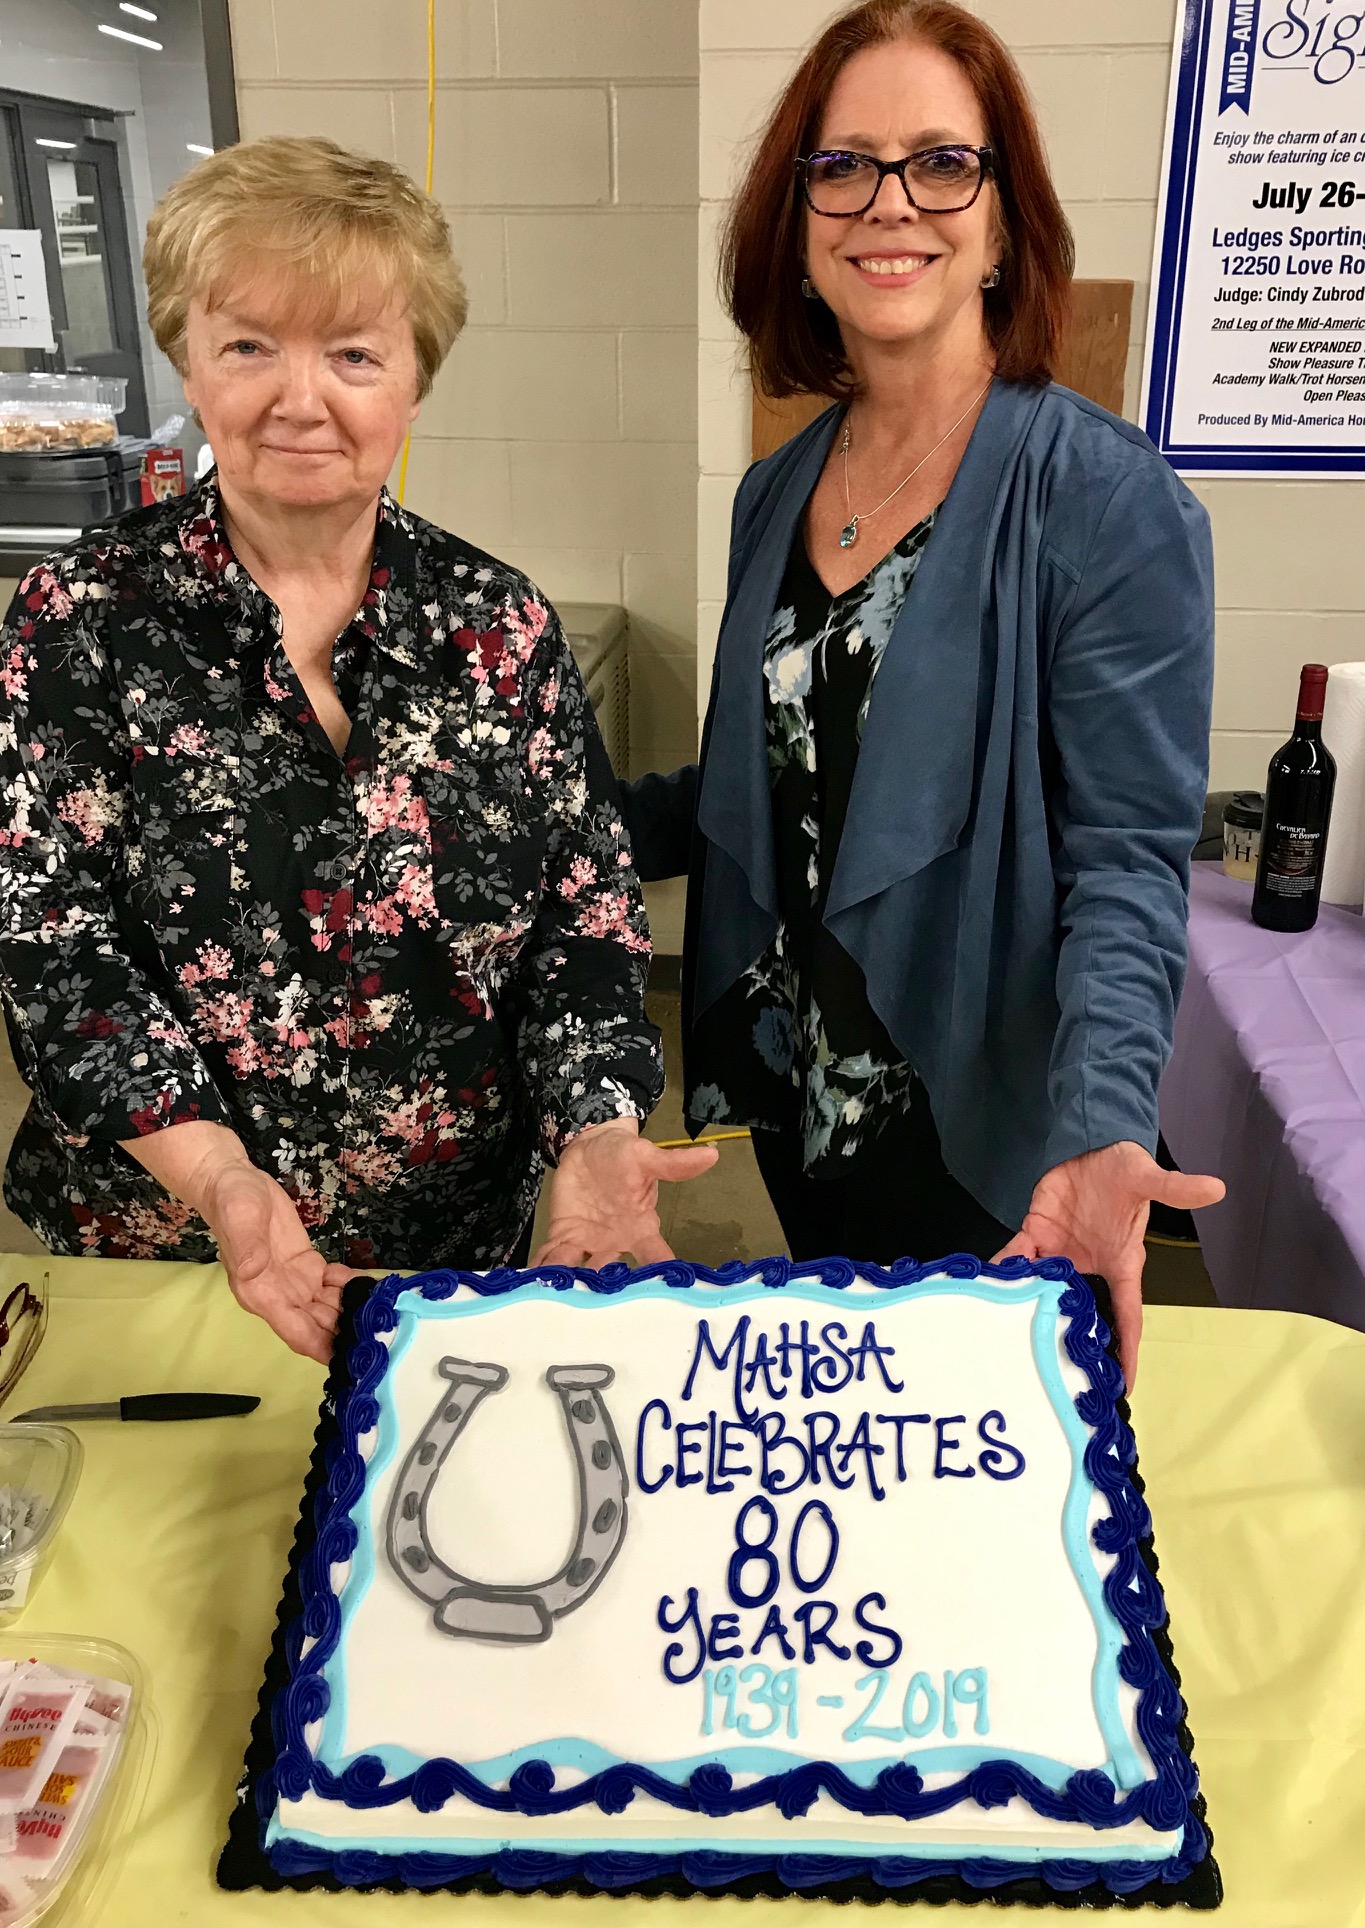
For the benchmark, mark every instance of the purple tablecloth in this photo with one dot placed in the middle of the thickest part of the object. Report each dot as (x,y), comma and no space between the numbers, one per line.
(1266,1088)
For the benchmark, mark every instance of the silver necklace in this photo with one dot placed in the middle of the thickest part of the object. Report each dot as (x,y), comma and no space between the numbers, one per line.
(848,535)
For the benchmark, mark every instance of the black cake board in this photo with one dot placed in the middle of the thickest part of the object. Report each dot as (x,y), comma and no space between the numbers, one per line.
(244,1864)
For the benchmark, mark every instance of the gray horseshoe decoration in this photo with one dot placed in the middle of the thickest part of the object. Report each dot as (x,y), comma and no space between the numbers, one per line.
(469,1608)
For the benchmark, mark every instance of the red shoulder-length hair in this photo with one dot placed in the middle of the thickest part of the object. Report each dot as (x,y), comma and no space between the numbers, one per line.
(794,344)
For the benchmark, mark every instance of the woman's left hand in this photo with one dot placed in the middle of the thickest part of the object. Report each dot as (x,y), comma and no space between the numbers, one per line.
(604,1198)
(1093,1211)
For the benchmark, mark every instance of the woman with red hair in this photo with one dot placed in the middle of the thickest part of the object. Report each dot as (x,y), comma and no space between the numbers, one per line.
(956,753)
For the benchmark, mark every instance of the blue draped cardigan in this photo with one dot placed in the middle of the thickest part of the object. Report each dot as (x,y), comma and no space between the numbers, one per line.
(1014,869)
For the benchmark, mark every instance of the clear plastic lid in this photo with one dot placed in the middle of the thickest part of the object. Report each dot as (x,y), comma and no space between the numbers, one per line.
(39,412)
(60,1856)
(39,394)
(40,1467)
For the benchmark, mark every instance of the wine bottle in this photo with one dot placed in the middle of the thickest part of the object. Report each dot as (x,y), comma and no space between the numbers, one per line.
(1298,809)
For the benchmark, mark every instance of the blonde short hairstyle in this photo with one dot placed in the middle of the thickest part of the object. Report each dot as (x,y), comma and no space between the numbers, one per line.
(306,211)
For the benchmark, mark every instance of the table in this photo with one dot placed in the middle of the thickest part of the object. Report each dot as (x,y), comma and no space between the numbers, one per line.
(1252,1427)
(1266,1089)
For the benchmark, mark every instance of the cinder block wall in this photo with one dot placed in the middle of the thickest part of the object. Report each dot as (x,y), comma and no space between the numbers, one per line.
(562,433)
(1291,584)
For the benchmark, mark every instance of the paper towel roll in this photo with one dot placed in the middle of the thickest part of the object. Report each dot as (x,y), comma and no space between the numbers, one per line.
(1343,731)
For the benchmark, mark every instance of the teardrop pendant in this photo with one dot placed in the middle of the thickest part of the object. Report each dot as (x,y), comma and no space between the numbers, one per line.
(849,535)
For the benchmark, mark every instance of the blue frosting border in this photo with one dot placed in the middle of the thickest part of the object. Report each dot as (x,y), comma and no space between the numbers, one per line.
(1166,1802)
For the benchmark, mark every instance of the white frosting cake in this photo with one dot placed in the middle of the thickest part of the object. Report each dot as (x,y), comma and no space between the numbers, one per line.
(792,1578)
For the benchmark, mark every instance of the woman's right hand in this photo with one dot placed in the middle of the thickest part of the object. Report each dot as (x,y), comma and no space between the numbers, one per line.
(271,1263)
(269,1258)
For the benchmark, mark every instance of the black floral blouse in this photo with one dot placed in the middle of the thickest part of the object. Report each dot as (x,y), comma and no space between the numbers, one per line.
(794,1044)
(403,975)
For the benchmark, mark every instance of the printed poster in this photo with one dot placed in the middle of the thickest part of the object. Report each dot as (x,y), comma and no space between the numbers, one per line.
(1256,332)
(25,317)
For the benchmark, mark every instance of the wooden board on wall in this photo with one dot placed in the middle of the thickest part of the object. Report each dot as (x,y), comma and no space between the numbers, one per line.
(1093,361)
(1094,357)
(777,422)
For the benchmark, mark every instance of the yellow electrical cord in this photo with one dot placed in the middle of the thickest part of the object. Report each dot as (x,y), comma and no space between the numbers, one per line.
(706,1138)
(670,1144)
(719,1138)
(664,1144)
(431,161)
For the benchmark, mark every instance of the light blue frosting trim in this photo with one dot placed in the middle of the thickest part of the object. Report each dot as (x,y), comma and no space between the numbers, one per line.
(1125,1762)
(711,1844)
(1123,1766)
(358,1580)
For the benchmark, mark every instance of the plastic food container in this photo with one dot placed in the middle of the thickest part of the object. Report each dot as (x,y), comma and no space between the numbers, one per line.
(1242,834)
(42,412)
(66,1851)
(40,1467)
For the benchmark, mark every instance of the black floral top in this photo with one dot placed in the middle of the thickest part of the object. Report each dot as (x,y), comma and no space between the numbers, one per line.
(794,1044)
(402,976)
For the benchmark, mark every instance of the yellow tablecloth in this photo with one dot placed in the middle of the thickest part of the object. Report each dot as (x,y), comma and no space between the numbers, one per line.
(1251,1427)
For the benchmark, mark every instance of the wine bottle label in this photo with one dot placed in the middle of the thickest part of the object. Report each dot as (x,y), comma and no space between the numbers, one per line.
(1291,866)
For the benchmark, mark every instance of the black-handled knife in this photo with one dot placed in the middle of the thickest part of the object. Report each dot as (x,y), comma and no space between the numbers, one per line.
(154,1405)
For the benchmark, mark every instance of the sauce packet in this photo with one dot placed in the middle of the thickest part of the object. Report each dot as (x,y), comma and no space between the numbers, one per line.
(36,1718)
(89,1722)
(22,1516)
(107,1698)
(49,1831)
(16,1897)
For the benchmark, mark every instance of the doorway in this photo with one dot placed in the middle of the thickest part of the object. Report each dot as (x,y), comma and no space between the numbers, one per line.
(61,168)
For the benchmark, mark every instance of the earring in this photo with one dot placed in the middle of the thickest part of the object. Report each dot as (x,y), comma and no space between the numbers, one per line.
(992,280)
(809,289)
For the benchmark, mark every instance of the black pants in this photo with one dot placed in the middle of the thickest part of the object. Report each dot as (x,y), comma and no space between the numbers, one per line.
(898,1201)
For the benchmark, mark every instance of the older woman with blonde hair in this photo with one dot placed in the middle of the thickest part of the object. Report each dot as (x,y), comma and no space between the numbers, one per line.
(320,929)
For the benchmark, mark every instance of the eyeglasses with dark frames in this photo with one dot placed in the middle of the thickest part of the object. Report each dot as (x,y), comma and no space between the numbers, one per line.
(946,180)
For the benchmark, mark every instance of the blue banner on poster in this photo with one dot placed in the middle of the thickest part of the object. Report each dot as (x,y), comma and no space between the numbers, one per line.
(1256,331)
(1239,54)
